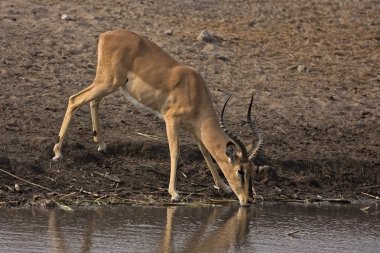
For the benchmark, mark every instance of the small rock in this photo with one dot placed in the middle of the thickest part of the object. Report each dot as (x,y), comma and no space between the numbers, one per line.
(221,57)
(169,32)
(206,36)
(36,197)
(66,17)
(17,188)
(99,18)
(302,68)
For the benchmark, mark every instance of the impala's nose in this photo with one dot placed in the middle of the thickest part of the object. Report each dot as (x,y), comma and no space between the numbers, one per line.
(244,202)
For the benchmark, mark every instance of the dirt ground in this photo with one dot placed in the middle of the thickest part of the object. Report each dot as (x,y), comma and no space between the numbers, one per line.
(312,66)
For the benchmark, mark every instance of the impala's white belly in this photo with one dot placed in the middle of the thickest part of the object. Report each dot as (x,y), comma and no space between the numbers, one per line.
(142,95)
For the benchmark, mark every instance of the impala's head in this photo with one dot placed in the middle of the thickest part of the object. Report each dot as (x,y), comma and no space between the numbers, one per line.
(241,160)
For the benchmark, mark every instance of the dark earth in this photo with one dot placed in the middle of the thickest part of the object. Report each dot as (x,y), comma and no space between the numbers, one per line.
(312,66)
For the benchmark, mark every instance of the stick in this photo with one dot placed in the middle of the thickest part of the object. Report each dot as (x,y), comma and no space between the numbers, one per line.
(371,196)
(369,187)
(26,181)
(102,197)
(62,206)
(364,209)
(148,136)
(89,193)
(293,232)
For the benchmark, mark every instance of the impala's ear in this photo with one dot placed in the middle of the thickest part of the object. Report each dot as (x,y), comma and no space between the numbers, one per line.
(231,151)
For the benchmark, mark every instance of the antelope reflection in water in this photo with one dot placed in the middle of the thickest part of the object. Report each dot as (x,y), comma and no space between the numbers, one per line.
(224,229)
(219,229)
(58,242)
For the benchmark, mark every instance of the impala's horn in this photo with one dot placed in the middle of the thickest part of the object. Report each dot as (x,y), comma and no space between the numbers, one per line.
(244,153)
(256,151)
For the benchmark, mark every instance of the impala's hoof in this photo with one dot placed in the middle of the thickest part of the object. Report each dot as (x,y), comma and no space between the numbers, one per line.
(225,188)
(102,147)
(175,198)
(57,158)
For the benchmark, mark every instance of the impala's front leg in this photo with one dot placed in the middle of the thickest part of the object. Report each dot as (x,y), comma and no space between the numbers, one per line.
(219,183)
(173,139)
(96,130)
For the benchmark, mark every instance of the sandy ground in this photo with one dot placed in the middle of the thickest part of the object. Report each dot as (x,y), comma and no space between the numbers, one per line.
(312,66)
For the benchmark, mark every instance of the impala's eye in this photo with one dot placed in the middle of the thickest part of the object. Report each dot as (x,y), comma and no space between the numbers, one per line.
(241,174)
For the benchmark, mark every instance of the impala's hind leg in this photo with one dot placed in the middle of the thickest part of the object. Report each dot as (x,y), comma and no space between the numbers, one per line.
(96,130)
(95,91)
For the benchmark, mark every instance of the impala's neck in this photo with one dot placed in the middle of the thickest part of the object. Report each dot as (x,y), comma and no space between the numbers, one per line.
(215,140)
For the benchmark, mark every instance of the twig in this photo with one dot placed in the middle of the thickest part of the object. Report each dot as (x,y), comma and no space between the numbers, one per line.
(62,206)
(365,209)
(101,197)
(371,196)
(89,193)
(293,232)
(369,187)
(148,136)
(26,181)
(187,196)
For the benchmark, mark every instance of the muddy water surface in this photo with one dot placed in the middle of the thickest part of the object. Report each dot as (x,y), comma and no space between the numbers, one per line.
(260,228)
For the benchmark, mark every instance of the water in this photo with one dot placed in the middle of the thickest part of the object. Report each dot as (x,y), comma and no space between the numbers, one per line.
(261,228)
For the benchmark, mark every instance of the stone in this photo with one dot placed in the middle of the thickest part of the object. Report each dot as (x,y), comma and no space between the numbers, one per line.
(302,68)
(66,17)
(206,36)
(169,32)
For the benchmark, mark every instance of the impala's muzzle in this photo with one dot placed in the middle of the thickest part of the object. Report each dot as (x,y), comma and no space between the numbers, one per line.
(244,201)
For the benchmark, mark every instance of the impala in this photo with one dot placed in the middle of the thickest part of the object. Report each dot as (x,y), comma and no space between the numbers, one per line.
(152,79)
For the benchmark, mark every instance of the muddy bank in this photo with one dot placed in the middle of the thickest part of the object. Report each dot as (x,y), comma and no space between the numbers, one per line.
(312,67)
